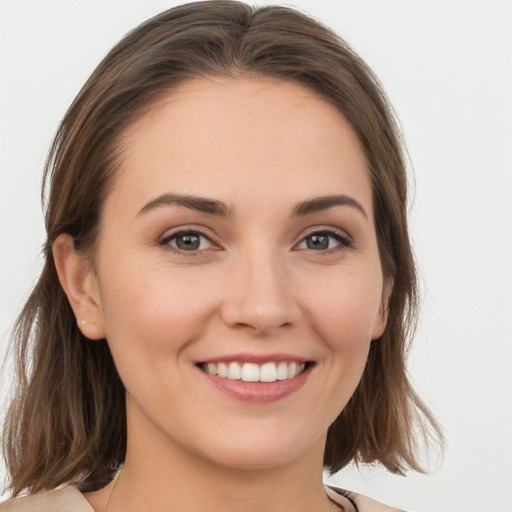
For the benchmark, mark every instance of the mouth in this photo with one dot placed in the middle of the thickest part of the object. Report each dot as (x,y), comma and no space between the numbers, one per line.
(271,371)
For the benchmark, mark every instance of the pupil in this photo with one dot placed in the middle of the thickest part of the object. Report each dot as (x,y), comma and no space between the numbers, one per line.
(318,242)
(188,242)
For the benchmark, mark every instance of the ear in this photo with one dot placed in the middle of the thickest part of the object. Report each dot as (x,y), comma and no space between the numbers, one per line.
(382,315)
(79,283)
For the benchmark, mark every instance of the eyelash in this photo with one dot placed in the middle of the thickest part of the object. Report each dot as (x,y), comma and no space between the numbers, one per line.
(166,242)
(344,240)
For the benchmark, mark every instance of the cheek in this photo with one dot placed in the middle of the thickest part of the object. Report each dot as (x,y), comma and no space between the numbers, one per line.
(345,308)
(151,319)
(157,309)
(342,310)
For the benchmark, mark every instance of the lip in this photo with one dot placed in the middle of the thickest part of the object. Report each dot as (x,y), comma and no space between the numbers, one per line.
(259,392)
(256,358)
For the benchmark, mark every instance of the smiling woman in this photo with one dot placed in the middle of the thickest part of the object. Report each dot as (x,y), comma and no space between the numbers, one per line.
(228,282)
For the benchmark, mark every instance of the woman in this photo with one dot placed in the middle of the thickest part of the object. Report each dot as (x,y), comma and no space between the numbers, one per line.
(228,281)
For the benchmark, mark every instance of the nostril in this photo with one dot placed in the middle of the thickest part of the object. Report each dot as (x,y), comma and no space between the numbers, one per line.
(261,311)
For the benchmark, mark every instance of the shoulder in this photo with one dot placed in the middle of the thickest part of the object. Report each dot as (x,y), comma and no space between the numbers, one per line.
(66,499)
(362,503)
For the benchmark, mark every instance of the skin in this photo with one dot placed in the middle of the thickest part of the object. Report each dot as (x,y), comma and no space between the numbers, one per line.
(255,286)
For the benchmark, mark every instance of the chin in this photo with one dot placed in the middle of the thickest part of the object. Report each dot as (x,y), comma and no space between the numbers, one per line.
(256,453)
(255,459)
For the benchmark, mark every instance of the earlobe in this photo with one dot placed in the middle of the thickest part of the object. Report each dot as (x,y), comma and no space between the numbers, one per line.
(380,322)
(382,314)
(80,286)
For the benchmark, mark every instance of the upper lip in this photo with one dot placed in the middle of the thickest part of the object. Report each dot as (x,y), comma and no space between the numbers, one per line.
(256,358)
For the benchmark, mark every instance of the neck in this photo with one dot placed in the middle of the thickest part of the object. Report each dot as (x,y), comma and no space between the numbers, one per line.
(157,476)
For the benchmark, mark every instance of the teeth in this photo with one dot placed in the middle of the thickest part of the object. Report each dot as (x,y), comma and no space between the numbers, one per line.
(222,370)
(268,372)
(282,371)
(234,371)
(251,372)
(211,368)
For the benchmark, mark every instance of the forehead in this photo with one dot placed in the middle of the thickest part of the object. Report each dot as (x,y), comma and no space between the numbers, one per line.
(229,137)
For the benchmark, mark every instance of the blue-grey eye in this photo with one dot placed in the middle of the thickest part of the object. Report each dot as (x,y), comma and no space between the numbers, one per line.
(189,241)
(318,242)
(324,240)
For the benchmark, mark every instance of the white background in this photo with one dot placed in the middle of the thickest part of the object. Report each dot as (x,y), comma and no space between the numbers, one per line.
(447,67)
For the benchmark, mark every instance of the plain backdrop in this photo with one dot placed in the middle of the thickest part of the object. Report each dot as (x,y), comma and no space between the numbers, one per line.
(447,67)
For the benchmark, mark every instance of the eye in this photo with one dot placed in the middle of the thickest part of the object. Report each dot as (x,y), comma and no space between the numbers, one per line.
(188,241)
(325,240)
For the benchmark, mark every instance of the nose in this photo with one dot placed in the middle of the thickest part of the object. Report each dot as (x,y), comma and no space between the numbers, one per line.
(261,296)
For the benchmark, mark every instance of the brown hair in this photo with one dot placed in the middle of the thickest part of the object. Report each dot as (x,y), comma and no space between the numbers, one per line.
(67,420)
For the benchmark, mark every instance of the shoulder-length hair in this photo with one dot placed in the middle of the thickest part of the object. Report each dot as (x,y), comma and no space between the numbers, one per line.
(67,419)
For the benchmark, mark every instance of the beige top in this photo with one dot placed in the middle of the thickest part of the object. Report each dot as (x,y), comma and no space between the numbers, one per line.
(70,499)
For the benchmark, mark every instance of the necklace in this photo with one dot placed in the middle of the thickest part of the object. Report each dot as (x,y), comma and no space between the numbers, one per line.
(116,479)
(334,506)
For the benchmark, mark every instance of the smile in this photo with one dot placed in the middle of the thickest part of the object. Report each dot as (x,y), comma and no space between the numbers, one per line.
(252,372)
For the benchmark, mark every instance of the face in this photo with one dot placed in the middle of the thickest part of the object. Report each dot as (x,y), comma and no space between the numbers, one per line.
(237,274)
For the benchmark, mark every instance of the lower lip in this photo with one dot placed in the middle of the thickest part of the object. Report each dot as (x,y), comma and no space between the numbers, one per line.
(259,392)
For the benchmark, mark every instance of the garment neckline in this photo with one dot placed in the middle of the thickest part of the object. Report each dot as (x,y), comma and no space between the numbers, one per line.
(338,496)
(335,494)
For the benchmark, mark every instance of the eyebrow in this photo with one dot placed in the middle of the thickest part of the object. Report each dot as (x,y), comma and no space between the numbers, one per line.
(200,204)
(317,204)
(218,208)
